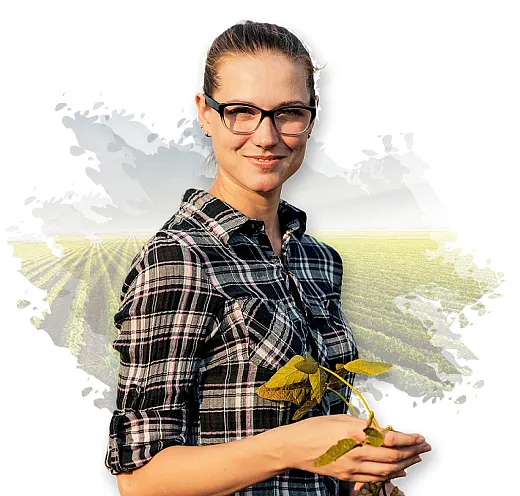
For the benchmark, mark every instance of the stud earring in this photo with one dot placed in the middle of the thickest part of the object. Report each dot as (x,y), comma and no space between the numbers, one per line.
(206,133)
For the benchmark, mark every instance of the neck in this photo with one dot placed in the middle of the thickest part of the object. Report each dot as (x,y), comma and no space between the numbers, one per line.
(255,205)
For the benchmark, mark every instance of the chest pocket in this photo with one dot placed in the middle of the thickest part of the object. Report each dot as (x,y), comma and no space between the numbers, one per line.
(268,333)
(331,328)
(274,331)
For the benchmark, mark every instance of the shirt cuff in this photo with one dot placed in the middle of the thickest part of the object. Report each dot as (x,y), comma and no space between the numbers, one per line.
(136,436)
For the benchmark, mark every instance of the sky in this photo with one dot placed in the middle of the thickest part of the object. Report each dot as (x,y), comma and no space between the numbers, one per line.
(444,71)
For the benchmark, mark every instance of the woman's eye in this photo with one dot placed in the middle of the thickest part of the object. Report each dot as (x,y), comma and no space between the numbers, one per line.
(241,110)
(291,112)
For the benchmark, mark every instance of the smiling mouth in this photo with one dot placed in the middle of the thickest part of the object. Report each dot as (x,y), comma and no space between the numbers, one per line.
(266,157)
(265,162)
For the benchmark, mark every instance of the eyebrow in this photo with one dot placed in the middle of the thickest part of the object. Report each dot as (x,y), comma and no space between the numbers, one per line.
(281,104)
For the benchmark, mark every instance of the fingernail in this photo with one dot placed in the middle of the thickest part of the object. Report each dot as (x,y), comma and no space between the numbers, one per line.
(419,440)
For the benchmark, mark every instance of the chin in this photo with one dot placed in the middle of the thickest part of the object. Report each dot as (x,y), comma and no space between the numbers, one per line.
(263,186)
(266,181)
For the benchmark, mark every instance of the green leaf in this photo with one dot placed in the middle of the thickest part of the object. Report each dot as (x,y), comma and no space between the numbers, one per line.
(308,405)
(372,486)
(374,437)
(318,381)
(342,372)
(334,452)
(288,374)
(365,367)
(308,365)
(295,393)
(394,492)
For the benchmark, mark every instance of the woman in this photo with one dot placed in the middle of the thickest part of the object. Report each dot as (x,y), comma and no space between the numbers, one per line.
(226,293)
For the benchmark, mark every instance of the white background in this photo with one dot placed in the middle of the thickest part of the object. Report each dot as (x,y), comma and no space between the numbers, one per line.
(445,71)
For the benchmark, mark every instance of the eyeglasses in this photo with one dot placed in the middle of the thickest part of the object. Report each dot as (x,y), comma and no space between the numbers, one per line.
(244,118)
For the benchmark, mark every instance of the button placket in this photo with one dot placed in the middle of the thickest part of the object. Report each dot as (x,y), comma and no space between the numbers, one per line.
(291,282)
(314,342)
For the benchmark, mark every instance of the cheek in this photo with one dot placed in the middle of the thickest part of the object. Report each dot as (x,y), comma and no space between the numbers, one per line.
(228,151)
(297,146)
(237,142)
(232,142)
(296,143)
(227,144)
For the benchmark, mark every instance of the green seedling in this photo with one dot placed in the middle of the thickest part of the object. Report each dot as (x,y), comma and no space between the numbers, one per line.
(303,381)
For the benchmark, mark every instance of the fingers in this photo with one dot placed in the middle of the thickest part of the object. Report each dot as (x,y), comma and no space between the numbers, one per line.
(396,438)
(379,464)
(364,478)
(391,438)
(385,471)
(389,455)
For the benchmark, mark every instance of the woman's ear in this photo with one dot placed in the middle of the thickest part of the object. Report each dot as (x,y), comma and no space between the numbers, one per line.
(316,100)
(203,113)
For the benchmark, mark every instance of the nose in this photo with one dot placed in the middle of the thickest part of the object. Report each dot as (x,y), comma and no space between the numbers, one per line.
(266,134)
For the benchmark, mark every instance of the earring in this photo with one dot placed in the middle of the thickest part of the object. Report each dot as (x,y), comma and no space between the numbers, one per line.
(205,133)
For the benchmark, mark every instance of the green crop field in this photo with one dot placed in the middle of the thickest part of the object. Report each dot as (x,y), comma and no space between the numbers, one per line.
(406,296)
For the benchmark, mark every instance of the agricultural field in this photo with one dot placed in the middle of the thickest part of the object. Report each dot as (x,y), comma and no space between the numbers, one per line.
(405,296)
(83,289)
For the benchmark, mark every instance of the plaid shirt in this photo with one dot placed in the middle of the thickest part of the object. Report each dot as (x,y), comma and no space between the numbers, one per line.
(208,313)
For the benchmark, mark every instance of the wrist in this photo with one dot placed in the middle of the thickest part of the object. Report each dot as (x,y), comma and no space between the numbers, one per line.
(282,447)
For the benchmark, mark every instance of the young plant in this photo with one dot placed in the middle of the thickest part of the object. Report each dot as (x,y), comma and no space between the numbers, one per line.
(303,381)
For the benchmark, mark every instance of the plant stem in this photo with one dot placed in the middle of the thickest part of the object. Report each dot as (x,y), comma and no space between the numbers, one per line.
(353,410)
(384,488)
(352,388)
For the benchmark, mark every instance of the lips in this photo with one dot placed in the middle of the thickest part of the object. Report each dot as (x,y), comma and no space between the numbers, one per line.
(265,162)
(264,157)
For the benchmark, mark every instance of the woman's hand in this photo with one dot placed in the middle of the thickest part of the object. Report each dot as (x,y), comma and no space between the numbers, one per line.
(308,439)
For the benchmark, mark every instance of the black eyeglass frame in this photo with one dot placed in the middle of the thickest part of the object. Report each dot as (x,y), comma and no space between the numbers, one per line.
(219,107)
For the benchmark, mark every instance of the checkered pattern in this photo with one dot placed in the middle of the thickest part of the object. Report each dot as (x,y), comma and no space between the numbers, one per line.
(208,312)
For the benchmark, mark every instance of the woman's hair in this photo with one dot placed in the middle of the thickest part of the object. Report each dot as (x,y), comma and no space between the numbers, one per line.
(251,38)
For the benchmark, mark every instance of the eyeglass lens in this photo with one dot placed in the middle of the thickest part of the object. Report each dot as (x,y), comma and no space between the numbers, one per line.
(246,119)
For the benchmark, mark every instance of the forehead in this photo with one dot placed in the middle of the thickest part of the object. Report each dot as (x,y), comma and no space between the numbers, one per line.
(262,79)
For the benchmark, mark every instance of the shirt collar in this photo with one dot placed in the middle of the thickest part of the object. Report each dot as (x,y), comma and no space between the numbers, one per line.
(222,219)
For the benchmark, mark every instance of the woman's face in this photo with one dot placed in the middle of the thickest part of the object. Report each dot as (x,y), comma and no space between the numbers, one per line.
(268,81)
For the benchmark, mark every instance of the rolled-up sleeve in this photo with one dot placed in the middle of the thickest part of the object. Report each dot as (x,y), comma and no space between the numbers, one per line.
(165,314)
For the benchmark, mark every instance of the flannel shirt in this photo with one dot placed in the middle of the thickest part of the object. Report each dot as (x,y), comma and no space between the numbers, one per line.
(208,313)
